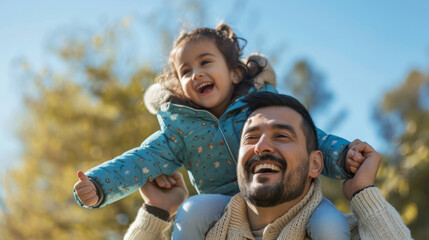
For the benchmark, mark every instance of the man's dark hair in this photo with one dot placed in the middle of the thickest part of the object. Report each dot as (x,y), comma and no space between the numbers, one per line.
(268,99)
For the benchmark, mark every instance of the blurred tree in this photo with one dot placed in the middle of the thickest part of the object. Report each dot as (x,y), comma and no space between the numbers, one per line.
(308,85)
(403,117)
(75,120)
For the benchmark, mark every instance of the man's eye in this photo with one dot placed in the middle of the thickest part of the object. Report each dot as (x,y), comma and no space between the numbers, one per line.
(283,136)
(250,138)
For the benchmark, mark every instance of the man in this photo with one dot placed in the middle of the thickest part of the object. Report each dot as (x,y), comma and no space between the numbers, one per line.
(277,172)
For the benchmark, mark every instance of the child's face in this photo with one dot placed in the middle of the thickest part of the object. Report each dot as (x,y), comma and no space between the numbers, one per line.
(204,75)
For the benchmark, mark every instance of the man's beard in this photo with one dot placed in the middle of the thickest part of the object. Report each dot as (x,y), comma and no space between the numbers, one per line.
(272,195)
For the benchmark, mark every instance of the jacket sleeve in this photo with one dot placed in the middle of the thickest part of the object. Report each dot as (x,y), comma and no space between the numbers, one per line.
(377,219)
(161,153)
(334,150)
(147,226)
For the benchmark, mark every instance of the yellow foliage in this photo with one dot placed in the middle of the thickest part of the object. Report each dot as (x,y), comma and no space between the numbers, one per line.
(343,205)
(403,187)
(404,149)
(405,180)
(423,152)
(411,127)
(25,66)
(409,213)
(126,21)
(97,40)
(71,124)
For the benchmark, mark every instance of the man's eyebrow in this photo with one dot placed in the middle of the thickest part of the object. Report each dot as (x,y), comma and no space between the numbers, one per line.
(287,127)
(251,129)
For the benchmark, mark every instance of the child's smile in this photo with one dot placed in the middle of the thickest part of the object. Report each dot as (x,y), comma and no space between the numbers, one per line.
(204,75)
(204,87)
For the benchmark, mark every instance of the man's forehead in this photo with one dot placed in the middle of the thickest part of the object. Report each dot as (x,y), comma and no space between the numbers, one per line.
(273,115)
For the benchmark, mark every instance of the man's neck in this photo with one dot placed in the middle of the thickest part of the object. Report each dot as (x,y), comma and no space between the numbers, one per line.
(260,217)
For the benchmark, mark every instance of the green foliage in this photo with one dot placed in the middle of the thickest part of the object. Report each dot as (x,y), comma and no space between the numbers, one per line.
(308,86)
(403,116)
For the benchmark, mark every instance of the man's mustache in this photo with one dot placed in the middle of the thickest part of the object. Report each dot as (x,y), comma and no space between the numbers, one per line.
(257,158)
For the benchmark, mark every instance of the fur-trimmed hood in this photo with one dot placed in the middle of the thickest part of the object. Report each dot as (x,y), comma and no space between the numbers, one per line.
(156,95)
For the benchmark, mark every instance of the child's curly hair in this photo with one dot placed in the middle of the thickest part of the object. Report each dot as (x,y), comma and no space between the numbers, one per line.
(227,43)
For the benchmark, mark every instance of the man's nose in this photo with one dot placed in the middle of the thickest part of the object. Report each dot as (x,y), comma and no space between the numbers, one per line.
(264,146)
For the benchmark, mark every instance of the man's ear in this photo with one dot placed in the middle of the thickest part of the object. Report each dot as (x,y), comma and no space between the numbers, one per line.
(316,164)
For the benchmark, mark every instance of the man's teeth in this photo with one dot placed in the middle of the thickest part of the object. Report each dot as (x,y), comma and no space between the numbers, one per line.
(267,166)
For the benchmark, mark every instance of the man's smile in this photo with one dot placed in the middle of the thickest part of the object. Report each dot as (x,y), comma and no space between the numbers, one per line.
(259,167)
(266,167)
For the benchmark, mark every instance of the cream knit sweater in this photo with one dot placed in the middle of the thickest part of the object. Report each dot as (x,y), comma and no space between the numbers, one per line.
(374,218)
(290,226)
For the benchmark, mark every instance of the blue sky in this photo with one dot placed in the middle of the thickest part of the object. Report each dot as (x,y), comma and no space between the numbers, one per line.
(362,48)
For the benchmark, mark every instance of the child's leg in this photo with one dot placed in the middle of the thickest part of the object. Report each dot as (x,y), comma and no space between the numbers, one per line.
(327,222)
(197,214)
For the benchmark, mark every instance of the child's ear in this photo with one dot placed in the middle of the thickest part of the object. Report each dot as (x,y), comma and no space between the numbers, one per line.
(316,164)
(236,76)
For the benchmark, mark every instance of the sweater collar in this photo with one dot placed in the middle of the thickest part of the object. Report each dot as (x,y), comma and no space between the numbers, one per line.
(291,225)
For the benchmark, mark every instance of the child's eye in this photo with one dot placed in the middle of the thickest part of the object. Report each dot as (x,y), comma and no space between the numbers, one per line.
(184,72)
(204,62)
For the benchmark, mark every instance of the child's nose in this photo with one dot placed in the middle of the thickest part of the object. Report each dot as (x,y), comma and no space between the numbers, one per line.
(197,75)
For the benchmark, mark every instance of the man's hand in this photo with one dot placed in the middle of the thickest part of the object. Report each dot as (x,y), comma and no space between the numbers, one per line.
(168,199)
(365,175)
(353,159)
(86,190)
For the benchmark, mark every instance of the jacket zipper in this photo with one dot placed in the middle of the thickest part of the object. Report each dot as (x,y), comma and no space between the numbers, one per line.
(218,126)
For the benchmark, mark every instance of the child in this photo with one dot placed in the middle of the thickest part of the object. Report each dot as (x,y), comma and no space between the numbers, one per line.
(201,121)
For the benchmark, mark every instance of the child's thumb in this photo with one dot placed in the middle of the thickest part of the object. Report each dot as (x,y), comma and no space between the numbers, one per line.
(81,175)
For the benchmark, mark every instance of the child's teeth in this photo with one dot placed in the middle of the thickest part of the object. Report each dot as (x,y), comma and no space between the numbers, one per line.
(203,85)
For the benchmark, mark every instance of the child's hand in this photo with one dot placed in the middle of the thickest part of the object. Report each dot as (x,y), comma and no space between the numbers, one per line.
(167,199)
(367,172)
(85,190)
(164,181)
(354,159)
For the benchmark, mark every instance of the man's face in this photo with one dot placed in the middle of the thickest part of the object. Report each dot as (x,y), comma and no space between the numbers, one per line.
(273,164)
